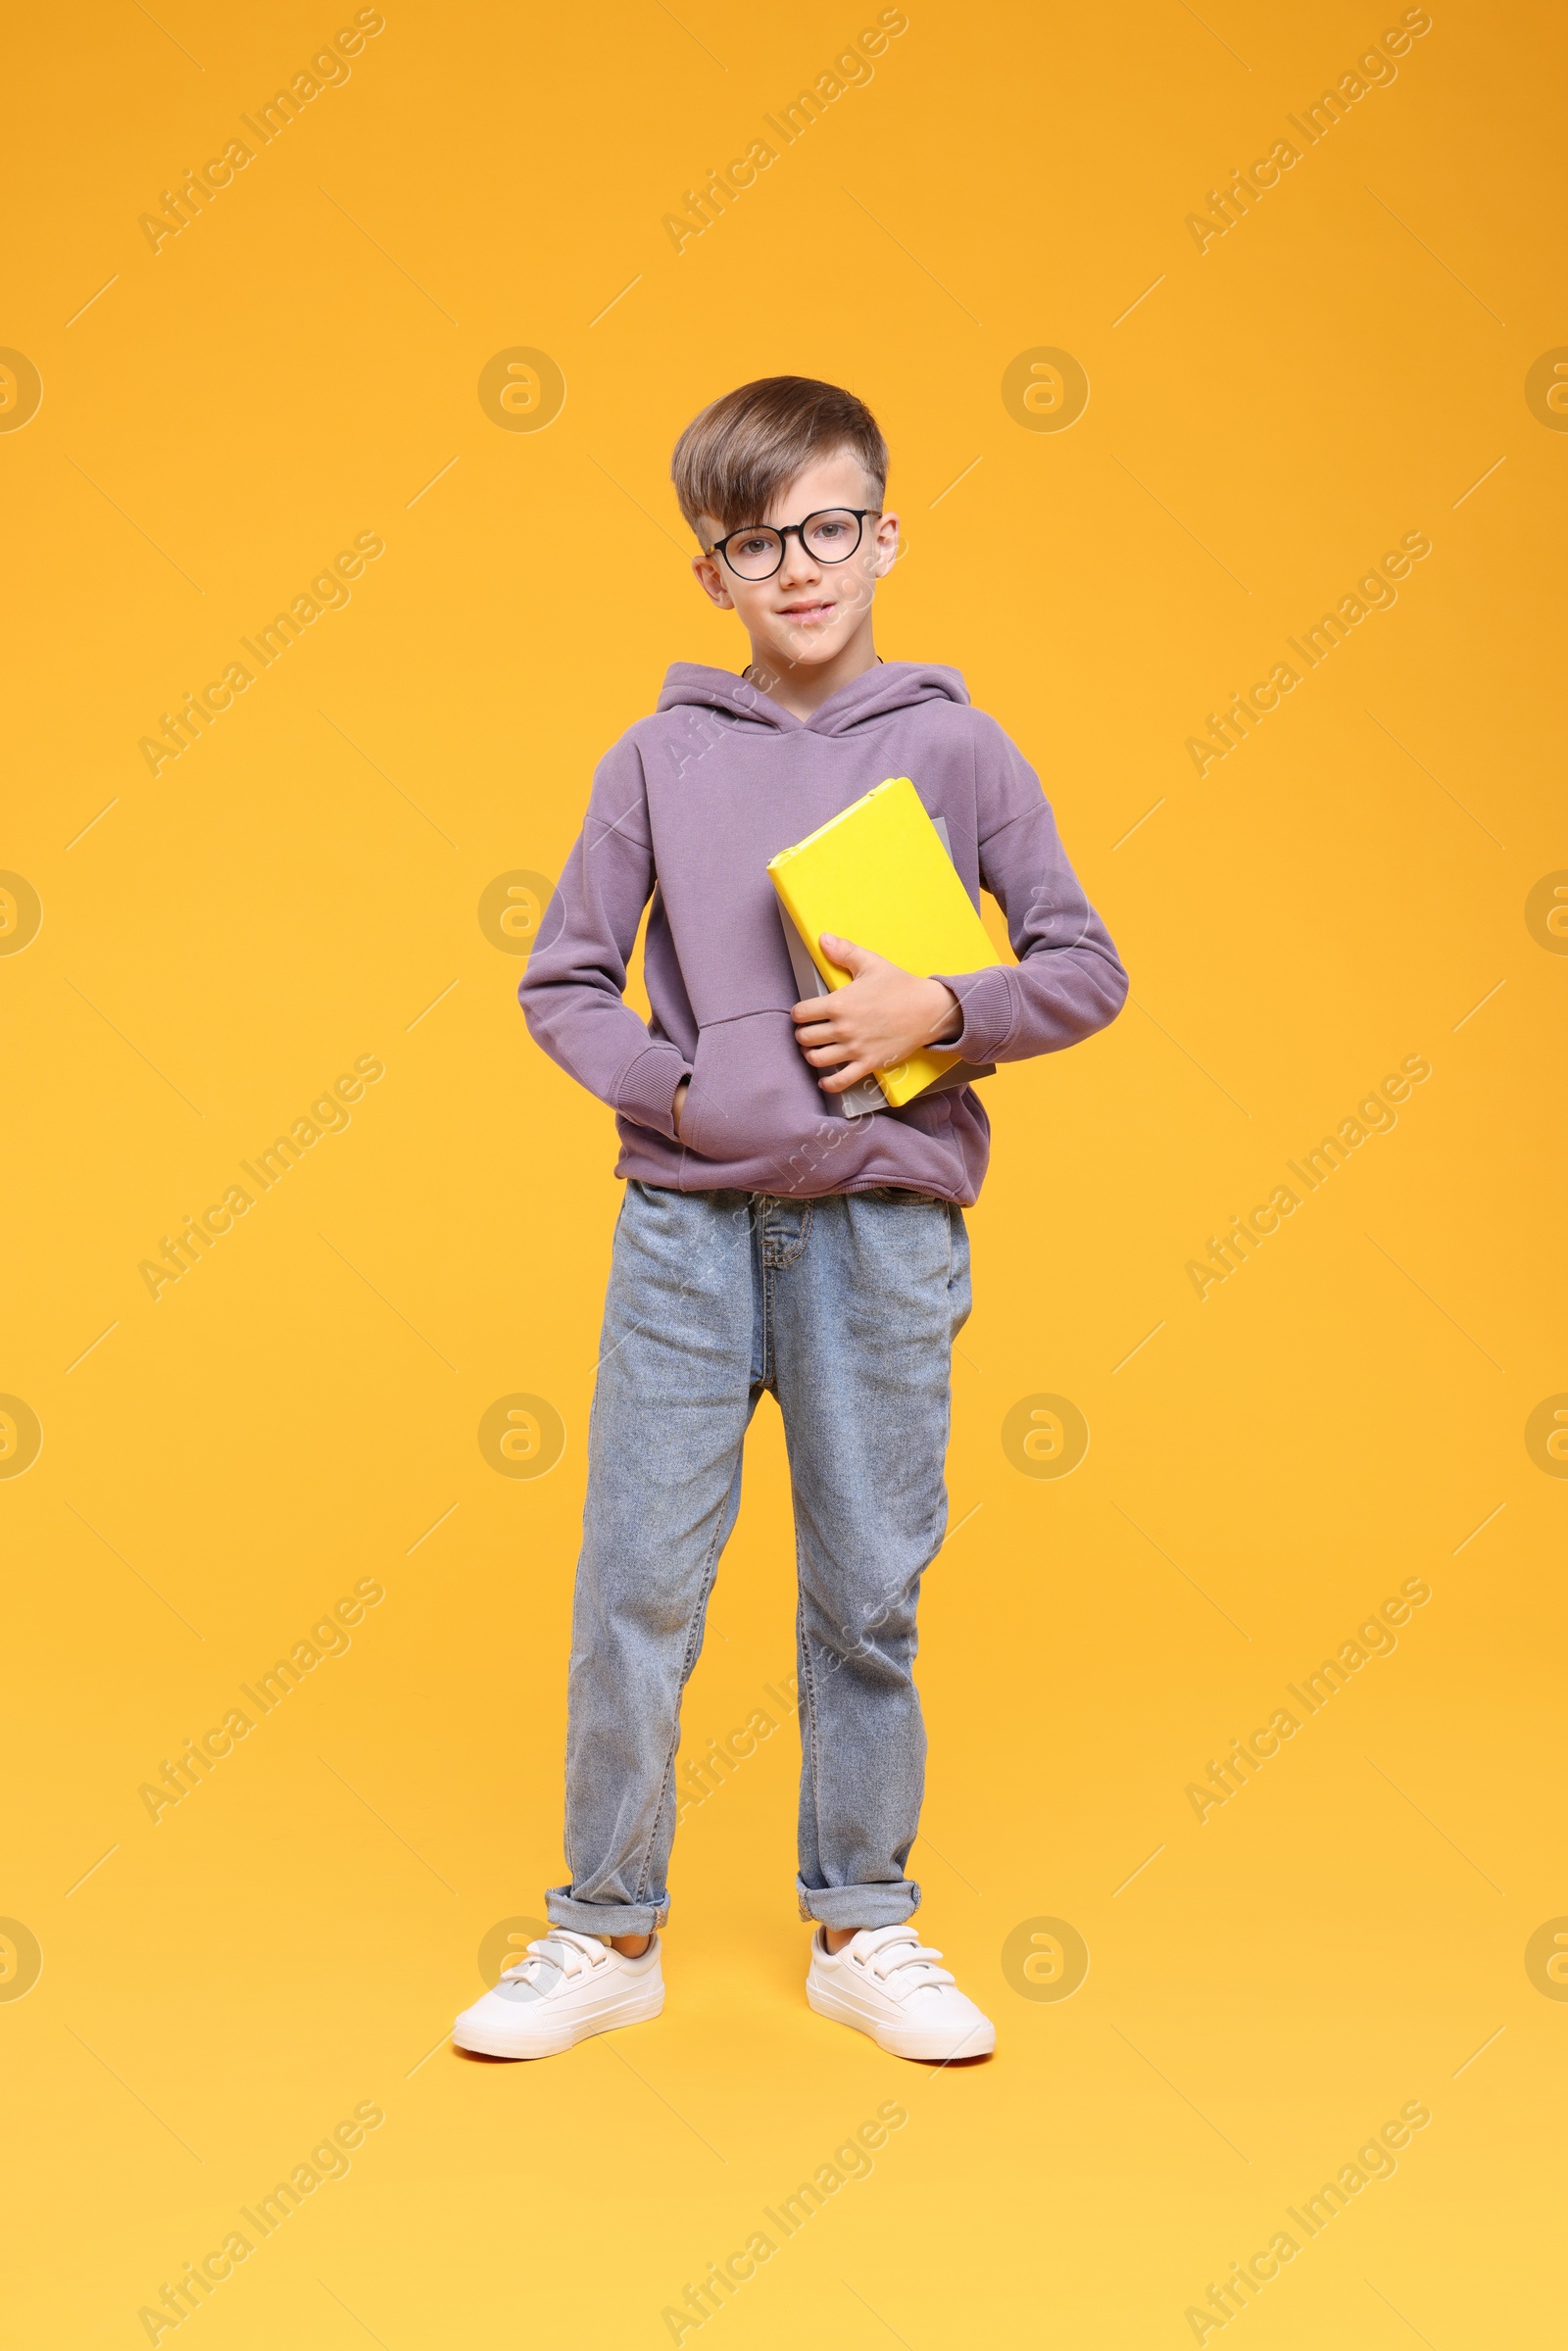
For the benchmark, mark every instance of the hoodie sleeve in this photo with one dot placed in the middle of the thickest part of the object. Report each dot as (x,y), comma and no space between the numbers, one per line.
(573,991)
(1068,980)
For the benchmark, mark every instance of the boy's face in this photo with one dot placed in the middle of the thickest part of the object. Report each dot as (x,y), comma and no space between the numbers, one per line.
(810,610)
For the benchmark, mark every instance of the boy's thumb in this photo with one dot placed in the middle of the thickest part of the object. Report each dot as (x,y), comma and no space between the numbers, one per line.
(845,954)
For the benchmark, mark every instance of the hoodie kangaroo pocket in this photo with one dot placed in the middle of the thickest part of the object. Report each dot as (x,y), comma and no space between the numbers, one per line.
(750,1090)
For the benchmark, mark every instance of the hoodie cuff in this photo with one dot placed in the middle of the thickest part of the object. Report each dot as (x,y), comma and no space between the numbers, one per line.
(645,1090)
(985,999)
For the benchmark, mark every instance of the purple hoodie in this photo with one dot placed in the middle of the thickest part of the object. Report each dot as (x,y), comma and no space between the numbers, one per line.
(688,807)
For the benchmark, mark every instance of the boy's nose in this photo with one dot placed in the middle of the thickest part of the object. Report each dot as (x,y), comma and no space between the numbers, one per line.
(797,566)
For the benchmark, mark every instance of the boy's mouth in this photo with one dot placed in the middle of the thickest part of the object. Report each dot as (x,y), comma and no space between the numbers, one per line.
(807,611)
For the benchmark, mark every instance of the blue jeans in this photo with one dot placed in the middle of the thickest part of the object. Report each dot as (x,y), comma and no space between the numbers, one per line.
(845,1307)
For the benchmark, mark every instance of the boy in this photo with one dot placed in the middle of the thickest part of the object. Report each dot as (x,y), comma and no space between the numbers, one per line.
(766,1239)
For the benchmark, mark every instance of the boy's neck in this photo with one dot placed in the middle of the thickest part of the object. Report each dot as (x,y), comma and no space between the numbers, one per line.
(802,687)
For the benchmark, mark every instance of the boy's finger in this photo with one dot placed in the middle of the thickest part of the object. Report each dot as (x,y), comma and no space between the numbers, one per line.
(813,1042)
(843,1079)
(845,953)
(811,1008)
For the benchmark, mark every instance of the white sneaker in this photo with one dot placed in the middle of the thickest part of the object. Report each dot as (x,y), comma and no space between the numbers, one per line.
(566,1987)
(885,1981)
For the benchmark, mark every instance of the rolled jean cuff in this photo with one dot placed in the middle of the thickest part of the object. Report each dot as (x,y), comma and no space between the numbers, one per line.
(885,1905)
(563,1909)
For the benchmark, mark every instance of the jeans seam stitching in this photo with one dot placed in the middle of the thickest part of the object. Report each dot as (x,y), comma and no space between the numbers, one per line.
(793,1251)
(809,1682)
(688,1663)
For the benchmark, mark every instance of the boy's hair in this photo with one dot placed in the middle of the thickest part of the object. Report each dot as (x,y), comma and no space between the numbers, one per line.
(732,461)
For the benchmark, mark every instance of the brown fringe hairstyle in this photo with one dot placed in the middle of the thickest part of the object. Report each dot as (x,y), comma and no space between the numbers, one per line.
(733,460)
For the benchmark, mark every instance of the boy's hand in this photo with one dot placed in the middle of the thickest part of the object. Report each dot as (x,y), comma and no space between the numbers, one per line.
(883,1016)
(680,1103)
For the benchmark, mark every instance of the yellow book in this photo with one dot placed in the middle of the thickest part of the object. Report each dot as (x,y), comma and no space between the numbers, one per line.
(878,873)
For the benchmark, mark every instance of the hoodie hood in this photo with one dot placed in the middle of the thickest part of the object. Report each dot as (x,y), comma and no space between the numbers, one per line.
(875,694)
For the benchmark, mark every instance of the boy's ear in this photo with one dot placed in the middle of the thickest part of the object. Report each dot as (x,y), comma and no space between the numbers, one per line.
(887,543)
(707,570)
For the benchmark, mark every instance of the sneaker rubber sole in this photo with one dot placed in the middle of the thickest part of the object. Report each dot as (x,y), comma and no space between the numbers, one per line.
(495,2041)
(931,2043)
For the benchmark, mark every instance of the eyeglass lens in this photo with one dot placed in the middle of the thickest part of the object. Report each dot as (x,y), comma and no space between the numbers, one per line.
(830,537)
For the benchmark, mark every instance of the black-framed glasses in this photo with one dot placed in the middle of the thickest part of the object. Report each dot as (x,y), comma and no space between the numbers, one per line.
(829,537)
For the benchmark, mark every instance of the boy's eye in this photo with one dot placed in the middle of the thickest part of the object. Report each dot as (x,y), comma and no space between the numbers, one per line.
(833,535)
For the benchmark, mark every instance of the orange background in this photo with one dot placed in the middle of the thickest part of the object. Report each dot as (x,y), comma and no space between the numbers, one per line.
(1266,416)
